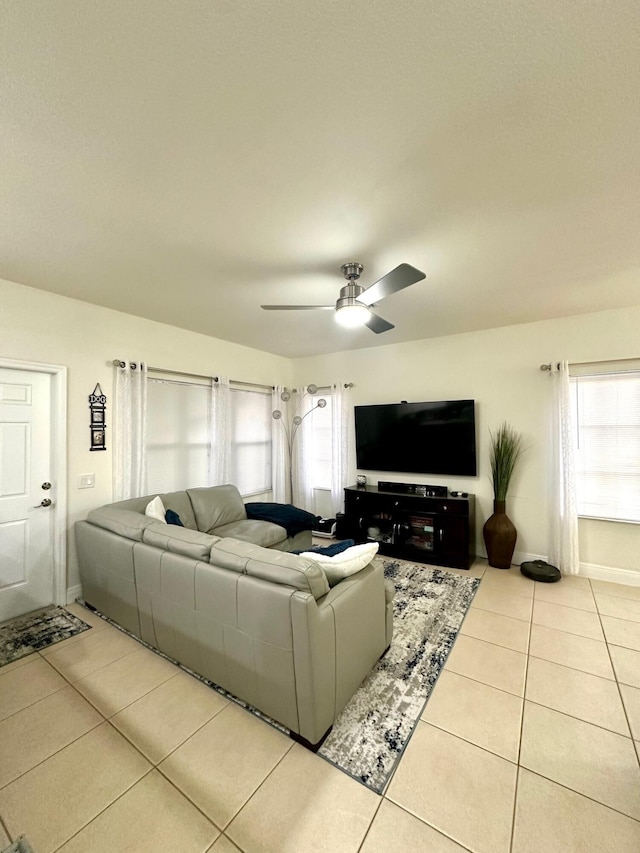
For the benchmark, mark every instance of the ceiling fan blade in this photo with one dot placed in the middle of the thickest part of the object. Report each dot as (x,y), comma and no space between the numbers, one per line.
(399,278)
(299,307)
(377,324)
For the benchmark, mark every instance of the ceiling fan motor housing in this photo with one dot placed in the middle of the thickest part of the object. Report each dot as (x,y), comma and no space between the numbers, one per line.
(352,270)
(349,294)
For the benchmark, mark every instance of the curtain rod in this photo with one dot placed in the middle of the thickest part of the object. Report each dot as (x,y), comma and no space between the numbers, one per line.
(326,387)
(119,363)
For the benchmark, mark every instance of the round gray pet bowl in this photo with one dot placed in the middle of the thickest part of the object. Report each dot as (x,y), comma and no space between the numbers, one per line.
(538,570)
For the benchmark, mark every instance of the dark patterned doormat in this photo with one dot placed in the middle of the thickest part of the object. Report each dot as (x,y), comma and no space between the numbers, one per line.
(35,631)
(370,735)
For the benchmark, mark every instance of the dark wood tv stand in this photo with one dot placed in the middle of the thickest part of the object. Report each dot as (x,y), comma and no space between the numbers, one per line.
(435,530)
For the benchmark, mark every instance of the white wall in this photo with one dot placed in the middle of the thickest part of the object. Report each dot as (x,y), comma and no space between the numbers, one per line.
(42,327)
(499,368)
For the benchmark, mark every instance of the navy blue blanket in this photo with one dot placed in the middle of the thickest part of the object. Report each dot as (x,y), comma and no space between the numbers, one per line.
(293,520)
(328,550)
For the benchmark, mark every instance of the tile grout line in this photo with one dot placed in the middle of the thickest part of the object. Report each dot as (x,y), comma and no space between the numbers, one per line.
(4,826)
(39,763)
(580,794)
(144,776)
(574,668)
(124,707)
(97,815)
(622,702)
(484,684)
(506,615)
(524,693)
(426,823)
(252,795)
(182,743)
(368,830)
(35,702)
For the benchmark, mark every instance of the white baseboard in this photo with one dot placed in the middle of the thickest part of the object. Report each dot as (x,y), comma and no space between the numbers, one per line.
(586,570)
(611,574)
(518,558)
(73,592)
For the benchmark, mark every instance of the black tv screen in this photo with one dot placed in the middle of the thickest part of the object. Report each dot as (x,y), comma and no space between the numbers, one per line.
(420,438)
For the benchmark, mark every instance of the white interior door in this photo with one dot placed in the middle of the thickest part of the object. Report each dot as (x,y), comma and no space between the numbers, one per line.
(26,526)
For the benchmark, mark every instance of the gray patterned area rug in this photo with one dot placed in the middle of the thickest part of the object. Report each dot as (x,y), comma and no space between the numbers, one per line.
(35,631)
(370,735)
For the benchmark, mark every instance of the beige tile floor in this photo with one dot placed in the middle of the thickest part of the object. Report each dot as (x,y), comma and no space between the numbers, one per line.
(528,744)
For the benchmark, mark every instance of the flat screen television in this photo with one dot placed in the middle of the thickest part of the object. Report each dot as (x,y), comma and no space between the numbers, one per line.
(419,438)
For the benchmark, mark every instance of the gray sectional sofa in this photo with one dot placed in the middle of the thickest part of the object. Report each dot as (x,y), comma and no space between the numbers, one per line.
(223,596)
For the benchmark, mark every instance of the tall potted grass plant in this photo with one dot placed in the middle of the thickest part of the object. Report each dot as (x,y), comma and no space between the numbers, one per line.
(499,531)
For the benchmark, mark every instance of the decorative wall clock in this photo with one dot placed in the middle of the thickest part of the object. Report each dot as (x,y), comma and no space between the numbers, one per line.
(97,406)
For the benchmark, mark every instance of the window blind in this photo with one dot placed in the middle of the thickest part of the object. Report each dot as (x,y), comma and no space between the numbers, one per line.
(318,445)
(251,441)
(606,411)
(178,448)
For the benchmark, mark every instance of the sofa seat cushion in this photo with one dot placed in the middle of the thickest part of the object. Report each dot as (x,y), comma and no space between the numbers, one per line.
(179,540)
(346,563)
(216,506)
(270,565)
(261,533)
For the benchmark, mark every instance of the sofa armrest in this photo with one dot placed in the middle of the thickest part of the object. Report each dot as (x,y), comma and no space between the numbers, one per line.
(124,522)
(358,609)
(337,640)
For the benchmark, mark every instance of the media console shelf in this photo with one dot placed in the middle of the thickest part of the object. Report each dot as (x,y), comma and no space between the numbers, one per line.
(426,529)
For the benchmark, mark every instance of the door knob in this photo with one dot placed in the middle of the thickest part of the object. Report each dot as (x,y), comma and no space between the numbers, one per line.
(44,502)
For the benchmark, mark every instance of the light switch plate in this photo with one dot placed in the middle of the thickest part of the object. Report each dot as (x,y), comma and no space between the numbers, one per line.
(86,481)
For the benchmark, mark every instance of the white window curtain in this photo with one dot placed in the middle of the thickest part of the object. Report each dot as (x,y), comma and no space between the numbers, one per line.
(130,431)
(340,409)
(280,460)
(563,545)
(302,454)
(310,467)
(220,432)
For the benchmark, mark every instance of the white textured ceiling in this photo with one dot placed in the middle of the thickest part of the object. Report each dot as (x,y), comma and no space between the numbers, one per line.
(187,161)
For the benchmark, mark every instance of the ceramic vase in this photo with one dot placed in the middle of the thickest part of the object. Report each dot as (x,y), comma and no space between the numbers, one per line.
(499,537)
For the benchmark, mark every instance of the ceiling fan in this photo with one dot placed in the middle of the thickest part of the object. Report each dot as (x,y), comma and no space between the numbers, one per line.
(352,306)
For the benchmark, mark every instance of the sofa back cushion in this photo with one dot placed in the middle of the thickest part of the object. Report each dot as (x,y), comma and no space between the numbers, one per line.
(177,501)
(276,566)
(179,540)
(215,506)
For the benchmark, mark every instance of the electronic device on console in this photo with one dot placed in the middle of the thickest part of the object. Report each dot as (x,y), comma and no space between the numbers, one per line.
(413,489)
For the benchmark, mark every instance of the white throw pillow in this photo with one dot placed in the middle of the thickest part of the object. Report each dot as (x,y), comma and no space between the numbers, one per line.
(345,563)
(155,509)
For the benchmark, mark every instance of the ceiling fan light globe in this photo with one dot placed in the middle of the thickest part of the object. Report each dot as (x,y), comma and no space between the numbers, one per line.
(352,316)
